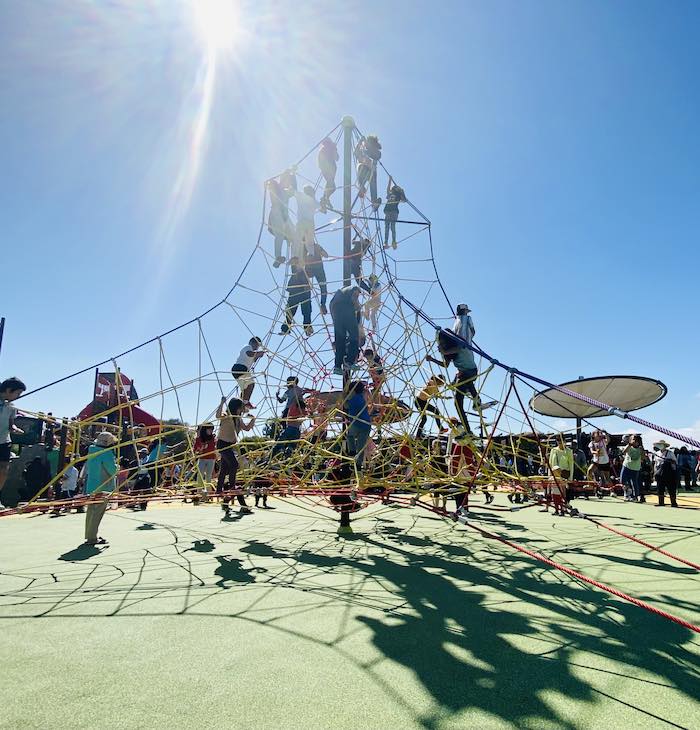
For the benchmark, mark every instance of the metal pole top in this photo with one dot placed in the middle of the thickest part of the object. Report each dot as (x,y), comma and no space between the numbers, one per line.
(348,122)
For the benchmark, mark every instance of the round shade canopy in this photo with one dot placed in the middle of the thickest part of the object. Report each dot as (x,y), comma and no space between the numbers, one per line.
(626,392)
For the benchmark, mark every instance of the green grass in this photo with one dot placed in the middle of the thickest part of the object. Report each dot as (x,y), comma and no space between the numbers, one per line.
(273,621)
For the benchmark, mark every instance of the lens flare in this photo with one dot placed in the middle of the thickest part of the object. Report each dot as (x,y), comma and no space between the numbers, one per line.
(217,23)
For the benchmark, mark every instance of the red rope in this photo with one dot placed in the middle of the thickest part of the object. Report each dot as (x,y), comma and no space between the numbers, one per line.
(586,579)
(646,544)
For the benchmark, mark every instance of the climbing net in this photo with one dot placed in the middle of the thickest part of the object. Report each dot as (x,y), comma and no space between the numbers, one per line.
(402,461)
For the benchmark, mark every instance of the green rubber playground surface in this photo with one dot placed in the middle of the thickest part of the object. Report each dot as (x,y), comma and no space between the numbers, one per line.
(271,620)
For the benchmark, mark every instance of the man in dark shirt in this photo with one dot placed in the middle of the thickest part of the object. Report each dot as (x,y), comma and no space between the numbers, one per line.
(345,311)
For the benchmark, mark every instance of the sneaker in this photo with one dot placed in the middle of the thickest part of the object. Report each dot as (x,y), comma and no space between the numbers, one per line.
(283,332)
(308,330)
(324,310)
(394,245)
(337,371)
(484,406)
(245,510)
(387,245)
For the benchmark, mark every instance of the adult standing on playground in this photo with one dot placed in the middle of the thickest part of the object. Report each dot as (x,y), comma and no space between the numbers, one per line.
(665,472)
(631,466)
(230,424)
(101,467)
(600,459)
(10,390)
(345,311)
(561,464)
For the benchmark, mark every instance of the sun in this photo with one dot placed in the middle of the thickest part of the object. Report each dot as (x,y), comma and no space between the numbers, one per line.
(217,23)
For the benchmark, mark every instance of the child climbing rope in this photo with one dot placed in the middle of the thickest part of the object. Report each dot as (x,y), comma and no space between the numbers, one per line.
(394,196)
(230,425)
(242,369)
(315,270)
(292,395)
(307,206)
(375,368)
(463,383)
(345,311)
(359,248)
(288,440)
(423,405)
(368,152)
(298,295)
(374,302)
(328,164)
(278,223)
(358,409)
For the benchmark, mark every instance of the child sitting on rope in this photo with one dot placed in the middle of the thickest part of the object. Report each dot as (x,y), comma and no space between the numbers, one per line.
(328,164)
(298,294)
(394,196)
(315,270)
(345,311)
(242,369)
(230,425)
(429,391)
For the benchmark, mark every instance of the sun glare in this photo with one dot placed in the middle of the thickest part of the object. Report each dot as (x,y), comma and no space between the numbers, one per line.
(217,23)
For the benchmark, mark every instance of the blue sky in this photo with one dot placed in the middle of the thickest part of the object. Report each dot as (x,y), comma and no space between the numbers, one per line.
(553,145)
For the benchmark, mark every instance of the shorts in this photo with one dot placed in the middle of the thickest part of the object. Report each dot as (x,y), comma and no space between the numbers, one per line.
(5,453)
(464,381)
(243,376)
(603,467)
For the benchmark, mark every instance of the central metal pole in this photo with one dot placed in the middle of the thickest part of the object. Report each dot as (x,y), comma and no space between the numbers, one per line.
(348,127)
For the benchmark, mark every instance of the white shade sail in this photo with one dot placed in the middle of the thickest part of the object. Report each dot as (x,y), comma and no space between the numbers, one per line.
(626,392)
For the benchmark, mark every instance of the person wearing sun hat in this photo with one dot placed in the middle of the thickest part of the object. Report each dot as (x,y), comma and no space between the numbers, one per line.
(101,466)
(665,470)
